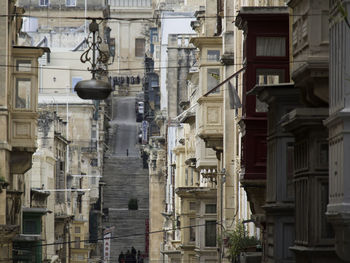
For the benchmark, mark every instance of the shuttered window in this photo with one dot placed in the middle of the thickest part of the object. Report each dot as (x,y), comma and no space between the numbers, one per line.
(139,47)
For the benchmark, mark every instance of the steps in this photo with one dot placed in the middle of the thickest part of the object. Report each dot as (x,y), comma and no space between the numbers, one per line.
(125,178)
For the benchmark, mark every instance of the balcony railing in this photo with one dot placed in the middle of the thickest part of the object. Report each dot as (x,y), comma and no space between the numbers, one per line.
(130,3)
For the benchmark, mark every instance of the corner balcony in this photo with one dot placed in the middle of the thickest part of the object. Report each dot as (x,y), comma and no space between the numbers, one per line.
(210,121)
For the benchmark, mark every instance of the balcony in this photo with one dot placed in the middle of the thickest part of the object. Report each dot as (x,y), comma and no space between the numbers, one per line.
(205,157)
(210,121)
(130,4)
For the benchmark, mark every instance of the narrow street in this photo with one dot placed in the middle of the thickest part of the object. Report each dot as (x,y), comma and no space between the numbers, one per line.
(125,179)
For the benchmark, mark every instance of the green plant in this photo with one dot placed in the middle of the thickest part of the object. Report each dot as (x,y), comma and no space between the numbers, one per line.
(239,241)
(133,204)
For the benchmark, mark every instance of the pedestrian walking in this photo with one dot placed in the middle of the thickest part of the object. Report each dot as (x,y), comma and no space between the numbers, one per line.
(133,254)
(139,257)
(128,257)
(121,258)
(127,152)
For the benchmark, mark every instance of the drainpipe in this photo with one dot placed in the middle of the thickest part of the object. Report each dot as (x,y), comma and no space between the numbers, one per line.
(222,175)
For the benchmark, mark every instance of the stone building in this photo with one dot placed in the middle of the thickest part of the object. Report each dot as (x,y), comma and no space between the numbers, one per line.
(172,55)
(47,184)
(301,151)
(337,123)
(18,100)
(129,37)
(61,25)
(314,237)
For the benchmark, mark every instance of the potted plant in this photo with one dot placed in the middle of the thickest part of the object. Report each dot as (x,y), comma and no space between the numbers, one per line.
(238,241)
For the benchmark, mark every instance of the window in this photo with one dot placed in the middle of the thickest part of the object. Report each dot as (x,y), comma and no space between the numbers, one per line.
(210,208)
(77,229)
(93,178)
(191,176)
(31,224)
(157,52)
(213,55)
(187,41)
(267,76)
(155,38)
(213,78)
(71,2)
(192,229)
(23,93)
(79,202)
(93,133)
(210,233)
(77,242)
(43,2)
(23,66)
(139,47)
(271,46)
(192,206)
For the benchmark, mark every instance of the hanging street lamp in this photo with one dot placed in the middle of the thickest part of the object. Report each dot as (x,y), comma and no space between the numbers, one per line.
(94,89)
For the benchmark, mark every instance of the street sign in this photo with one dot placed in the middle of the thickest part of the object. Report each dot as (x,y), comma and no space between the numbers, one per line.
(144,126)
(107,234)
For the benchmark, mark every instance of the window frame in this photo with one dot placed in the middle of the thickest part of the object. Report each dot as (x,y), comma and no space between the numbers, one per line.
(206,235)
(16,93)
(46,2)
(275,58)
(138,53)
(271,36)
(192,230)
(37,223)
(218,90)
(212,60)
(18,74)
(71,5)
(208,213)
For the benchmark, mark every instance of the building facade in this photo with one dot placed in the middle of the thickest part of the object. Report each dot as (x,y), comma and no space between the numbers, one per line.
(18,127)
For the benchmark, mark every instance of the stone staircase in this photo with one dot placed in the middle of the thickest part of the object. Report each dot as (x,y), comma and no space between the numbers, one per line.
(125,178)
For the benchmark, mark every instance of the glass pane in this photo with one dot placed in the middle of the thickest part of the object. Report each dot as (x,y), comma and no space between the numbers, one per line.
(23,93)
(192,229)
(267,76)
(77,242)
(213,78)
(271,46)
(210,208)
(70,2)
(210,233)
(23,65)
(30,227)
(139,47)
(213,55)
(192,206)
